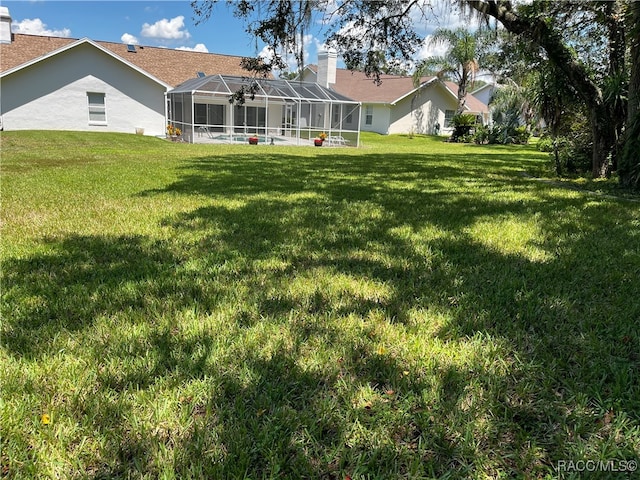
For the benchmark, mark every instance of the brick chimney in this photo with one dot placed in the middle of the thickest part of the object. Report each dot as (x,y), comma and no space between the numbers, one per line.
(5,25)
(327,64)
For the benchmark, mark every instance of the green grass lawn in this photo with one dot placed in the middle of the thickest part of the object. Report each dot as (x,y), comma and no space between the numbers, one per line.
(409,309)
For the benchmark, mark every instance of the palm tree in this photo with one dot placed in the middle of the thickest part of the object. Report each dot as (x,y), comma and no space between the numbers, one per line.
(459,63)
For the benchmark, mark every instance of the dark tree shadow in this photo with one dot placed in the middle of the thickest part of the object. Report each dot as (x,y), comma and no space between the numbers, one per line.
(569,357)
(570,339)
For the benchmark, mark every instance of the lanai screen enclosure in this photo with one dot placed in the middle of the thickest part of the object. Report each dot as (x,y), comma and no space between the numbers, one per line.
(280,112)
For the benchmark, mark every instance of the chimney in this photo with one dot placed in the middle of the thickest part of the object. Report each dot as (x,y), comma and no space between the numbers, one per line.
(5,25)
(327,62)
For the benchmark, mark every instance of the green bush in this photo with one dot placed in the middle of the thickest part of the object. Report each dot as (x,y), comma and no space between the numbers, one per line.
(521,135)
(462,125)
(545,144)
(500,134)
(481,135)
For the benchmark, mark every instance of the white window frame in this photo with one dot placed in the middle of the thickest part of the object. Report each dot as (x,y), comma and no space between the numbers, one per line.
(448,118)
(368,115)
(97,108)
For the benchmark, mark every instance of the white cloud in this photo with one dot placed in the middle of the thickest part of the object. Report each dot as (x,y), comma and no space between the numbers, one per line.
(166,29)
(290,59)
(129,39)
(35,26)
(430,49)
(200,47)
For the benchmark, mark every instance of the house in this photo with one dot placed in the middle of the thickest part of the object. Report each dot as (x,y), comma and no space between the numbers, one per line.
(485,92)
(396,105)
(55,83)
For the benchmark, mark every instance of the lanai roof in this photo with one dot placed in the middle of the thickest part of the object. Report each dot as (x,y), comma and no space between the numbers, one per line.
(271,88)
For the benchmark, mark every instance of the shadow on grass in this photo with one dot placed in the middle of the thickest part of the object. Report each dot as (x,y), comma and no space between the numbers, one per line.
(82,279)
(315,265)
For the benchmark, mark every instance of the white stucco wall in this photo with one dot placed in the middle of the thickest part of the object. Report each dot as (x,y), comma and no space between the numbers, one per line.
(274,118)
(380,123)
(485,93)
(419,113)
(52,95)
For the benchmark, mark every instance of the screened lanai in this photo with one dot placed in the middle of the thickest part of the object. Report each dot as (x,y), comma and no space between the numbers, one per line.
(281,112)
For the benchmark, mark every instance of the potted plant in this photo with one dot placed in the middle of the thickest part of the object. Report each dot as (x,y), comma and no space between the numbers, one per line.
(173,133)
(318,141)
(253,140)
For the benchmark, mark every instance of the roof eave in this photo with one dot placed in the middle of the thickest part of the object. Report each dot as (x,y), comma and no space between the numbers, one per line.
(74,45)
(411,92)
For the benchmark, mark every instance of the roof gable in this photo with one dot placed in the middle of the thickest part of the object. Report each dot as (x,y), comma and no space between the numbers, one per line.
(358,86)
(73,45)
(394,88)
(168,66)
(472,104)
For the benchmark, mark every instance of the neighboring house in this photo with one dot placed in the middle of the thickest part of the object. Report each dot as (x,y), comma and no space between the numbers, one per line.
(485,92)
(55,83)
(396,105)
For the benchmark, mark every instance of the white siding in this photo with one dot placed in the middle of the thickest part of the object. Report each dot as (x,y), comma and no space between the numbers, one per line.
(419,113)
(274,119)
(485,93)
(52,95)
(380,123)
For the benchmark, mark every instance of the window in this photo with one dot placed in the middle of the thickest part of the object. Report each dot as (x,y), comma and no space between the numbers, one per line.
(178,114)
(368,116)
(209,115)
(215,117)
(448,117)
(200,113)
(97,108)
(336,114)
(247,116)
(349,118)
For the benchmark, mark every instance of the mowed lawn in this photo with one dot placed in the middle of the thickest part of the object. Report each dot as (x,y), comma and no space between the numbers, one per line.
(409,309)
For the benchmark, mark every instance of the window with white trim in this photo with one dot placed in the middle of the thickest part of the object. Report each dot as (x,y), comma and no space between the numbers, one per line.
(97,108)
(368,116)
(448,117)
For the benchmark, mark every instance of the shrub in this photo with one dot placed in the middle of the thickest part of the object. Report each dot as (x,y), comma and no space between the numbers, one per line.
(481,135)
(545,144)
(521,135)
(462,125)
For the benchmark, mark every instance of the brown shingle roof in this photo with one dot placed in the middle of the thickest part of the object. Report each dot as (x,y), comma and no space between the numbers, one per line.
(473,104)
(359,87)
(170,66)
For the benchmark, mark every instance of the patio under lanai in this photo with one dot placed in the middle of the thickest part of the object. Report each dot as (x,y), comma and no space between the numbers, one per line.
(279,112)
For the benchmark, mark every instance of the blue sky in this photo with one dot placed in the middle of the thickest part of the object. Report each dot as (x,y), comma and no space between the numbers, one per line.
(159,23)
(169,24)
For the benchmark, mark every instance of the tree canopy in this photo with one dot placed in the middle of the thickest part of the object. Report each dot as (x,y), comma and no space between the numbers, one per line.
(376,37)
(460,62)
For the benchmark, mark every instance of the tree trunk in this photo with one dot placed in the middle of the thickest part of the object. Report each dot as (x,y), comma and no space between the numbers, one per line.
(542,34)
(604,139)
(462,91)
(616,39)
(629,166)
